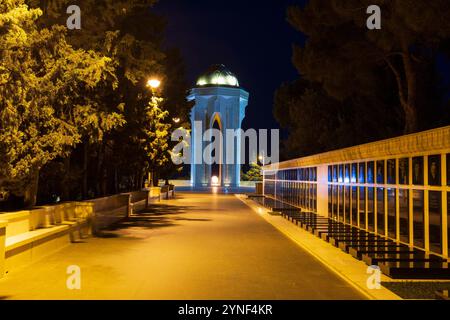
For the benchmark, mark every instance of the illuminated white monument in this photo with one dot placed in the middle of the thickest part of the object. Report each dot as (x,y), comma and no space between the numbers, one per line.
(220,104)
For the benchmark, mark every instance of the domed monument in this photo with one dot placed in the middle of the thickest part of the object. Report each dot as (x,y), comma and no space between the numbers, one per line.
(220,104)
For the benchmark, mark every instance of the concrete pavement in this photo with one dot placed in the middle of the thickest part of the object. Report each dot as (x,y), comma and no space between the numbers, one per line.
(198,246)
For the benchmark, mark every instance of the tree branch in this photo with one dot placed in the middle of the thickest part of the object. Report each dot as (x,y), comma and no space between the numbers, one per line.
(399,81)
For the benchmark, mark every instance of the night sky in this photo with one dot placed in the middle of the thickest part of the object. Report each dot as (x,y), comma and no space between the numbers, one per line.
(253,40)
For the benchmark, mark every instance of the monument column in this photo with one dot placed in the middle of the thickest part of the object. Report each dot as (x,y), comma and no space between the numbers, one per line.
(217,93)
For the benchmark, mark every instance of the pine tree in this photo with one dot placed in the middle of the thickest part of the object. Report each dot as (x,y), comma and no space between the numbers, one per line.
(103,130)
(156,135)
(42,84)
(253,174)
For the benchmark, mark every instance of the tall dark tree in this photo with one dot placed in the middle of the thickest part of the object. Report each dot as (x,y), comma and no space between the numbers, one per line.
(317,122)
(131,35)
(342,54)
(359,85)
(46,91)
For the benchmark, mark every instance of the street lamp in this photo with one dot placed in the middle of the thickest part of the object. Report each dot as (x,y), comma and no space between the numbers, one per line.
(262,158)
(154,83)
(176,120)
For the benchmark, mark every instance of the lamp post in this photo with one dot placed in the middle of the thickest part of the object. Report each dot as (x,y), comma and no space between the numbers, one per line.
(154,84)
(262,158)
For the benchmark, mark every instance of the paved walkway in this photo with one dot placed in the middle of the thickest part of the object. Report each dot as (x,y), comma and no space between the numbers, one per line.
(198,246)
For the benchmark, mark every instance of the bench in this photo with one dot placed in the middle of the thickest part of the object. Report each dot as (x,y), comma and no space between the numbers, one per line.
(167,192)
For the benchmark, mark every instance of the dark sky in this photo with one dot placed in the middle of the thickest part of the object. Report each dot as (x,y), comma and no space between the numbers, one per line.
(252,38)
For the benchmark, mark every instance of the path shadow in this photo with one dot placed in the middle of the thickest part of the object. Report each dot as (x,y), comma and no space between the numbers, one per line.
(157,216)
(158,209)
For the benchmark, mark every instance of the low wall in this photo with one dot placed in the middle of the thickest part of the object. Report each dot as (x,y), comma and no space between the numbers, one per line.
(140,200)
(187,183)
(110,203)
(248,184)
(45,217)
(29,235)
(179,183)
(109,210)
(3,225)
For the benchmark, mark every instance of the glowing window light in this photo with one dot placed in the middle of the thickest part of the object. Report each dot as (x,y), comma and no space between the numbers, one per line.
(232,81)
(202,82)
(218,78)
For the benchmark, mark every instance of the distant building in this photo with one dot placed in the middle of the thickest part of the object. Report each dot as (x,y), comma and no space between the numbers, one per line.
(220,103)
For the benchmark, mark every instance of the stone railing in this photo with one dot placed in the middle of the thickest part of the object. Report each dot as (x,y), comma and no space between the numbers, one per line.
(109,210)
(422,142)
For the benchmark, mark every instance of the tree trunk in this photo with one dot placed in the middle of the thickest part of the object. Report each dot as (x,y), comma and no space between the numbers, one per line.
(138,180)
(155,178)
(407,89)
(130,182)
(410,107)
(116,180)
(104,172)
(30,199)
(84,187)
(411,123)
(65,183)
(141,180)
(99,171)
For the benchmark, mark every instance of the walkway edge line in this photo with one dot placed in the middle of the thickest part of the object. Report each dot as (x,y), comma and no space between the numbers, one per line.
(382,294)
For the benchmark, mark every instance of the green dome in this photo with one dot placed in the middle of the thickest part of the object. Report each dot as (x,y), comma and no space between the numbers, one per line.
(218,75)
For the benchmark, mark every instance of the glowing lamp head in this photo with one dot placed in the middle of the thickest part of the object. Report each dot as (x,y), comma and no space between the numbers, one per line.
(215,181)
(154,83)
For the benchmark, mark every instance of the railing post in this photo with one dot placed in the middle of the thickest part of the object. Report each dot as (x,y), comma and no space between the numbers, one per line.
(48,219)
(147,201)
(130,207)
(3,225)
(155,192)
